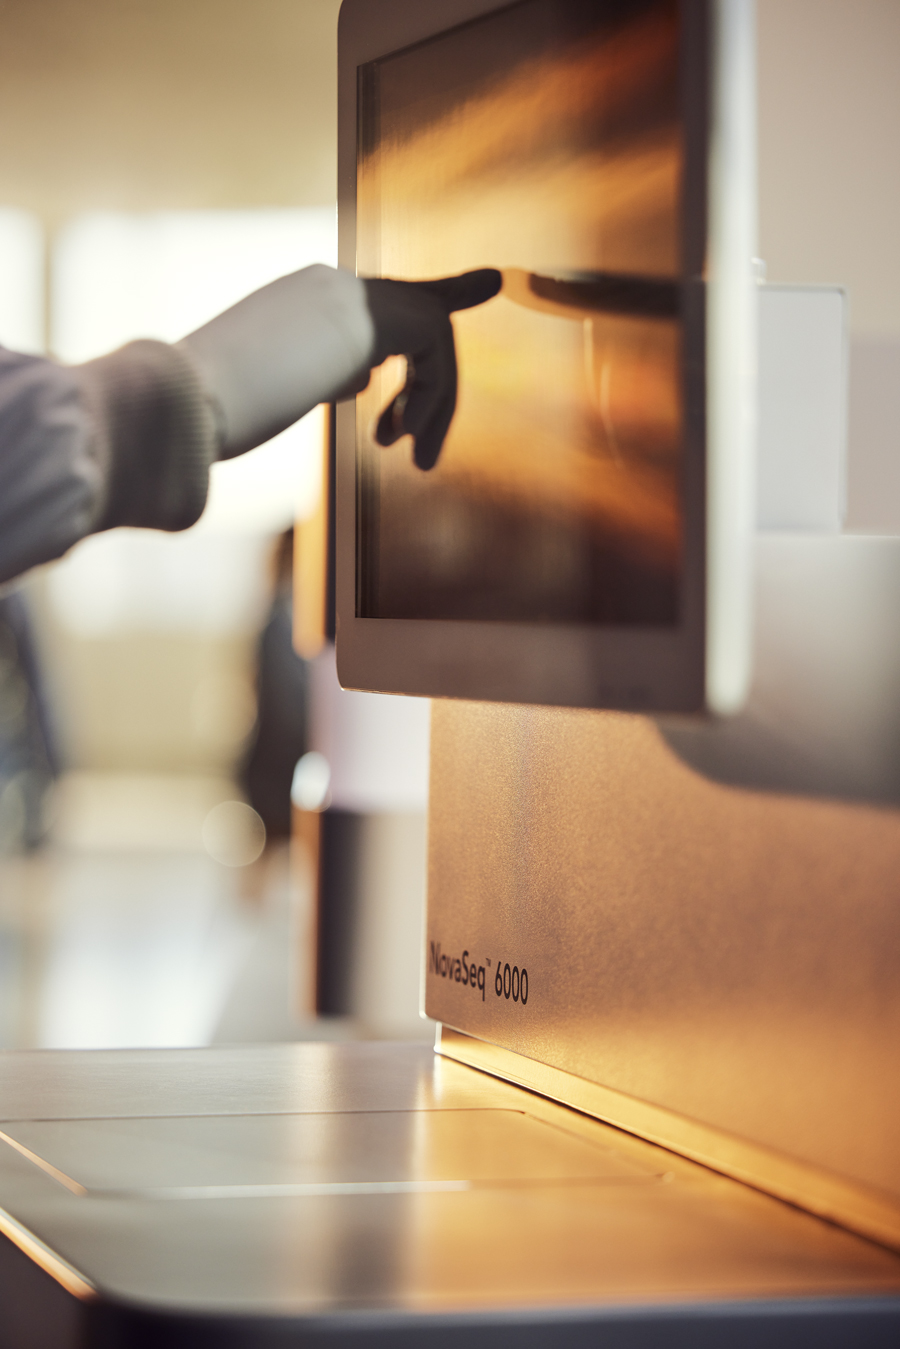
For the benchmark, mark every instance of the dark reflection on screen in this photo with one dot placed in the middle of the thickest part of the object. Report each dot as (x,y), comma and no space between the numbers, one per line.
(544,140)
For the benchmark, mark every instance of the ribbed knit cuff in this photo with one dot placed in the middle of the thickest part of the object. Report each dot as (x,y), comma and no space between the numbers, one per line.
(156,436)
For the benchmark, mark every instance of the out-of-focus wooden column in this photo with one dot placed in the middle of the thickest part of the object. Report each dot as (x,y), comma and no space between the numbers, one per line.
(313,627)
(313,582)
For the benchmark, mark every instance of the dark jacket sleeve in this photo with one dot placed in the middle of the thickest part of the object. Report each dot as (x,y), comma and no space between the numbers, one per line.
(124,440)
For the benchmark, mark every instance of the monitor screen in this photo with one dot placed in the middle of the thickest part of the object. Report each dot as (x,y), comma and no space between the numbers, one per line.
(583,539)
(545,140)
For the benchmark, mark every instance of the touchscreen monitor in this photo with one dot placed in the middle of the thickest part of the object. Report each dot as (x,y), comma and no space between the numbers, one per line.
(558,551)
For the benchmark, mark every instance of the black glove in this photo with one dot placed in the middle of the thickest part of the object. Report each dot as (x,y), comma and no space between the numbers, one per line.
(412,319)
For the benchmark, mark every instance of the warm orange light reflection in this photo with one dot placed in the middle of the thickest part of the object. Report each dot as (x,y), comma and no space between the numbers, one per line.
(542,141)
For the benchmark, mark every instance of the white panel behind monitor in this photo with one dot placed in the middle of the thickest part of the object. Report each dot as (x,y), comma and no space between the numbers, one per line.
(802,408)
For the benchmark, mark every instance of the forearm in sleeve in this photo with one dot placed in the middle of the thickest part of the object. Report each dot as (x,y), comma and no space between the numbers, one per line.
(124,440)
(128,439)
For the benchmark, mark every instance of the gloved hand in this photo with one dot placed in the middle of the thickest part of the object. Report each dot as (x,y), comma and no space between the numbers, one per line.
(412,319)
(314,336)
(128,439)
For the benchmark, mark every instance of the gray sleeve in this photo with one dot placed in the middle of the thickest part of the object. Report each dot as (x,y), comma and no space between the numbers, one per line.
(124,440)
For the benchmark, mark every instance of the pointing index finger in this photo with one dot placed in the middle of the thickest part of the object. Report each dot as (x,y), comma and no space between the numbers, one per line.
(465,291)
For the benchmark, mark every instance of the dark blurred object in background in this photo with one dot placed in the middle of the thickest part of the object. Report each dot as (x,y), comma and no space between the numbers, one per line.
(28,756)
(279,737)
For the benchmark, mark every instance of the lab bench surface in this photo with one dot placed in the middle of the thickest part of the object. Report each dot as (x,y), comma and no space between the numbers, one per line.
(373,1194)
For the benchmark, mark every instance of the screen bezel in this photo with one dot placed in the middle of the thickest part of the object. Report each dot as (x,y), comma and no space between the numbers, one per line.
(648,669)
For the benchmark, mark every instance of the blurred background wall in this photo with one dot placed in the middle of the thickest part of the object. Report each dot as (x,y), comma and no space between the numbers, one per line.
(142,105)
(158,161)
(111,112)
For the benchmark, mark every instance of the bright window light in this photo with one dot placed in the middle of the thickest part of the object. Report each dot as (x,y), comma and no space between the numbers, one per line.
(21,281)
(118,276)
(139,580)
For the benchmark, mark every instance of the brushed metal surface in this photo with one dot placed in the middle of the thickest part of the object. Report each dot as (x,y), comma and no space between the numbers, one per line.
(235,1156)
(729,955)
(860,1208)
(572,1241)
